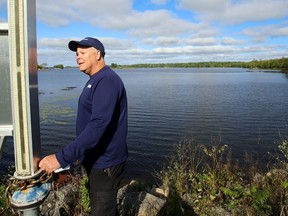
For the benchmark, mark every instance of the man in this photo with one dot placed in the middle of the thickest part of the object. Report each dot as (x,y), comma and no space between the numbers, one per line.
(101,128)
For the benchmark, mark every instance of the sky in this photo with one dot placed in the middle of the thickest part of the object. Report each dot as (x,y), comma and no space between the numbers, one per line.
(162,31)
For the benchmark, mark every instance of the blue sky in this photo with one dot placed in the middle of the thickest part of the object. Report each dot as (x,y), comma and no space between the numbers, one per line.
(161,31)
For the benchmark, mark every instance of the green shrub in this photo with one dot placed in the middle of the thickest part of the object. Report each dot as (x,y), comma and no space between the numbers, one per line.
(283,148)
(205,178)
(2,199)
(84,193)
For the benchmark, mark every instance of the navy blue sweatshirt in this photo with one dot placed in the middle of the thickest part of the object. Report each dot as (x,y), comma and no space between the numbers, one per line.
(101,126)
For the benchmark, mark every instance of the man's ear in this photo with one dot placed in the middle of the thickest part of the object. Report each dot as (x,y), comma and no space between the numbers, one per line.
(98,55)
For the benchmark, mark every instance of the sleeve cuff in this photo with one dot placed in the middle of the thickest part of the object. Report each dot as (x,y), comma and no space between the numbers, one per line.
(61,160)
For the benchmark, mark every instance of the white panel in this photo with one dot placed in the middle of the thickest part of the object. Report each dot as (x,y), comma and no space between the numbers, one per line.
(23,70)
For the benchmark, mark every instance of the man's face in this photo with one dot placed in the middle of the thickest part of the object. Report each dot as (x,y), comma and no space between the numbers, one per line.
(87,59)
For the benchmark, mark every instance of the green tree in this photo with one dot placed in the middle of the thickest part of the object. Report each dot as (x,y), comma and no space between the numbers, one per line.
(60,66)
(114,65)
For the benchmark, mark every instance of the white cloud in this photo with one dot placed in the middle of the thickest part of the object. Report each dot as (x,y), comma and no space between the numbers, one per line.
(206,41)
(131,36)
(163,41)
(52,43)
(263,33)
(236,12)
(204,5)
(152,23)
(55,14)
(205,30)
(63,12)
(172,42)
(231,41)
(55,50)
(120,17)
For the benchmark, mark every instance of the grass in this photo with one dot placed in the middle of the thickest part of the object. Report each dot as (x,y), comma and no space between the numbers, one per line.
(2,199)
(204,181)
(6,210)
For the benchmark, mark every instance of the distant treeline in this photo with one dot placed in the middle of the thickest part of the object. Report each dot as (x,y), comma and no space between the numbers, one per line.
(280,64)
(44,66)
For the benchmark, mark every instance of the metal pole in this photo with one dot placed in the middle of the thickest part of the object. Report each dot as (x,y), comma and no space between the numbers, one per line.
(25,106)
(31,211)
(23,70)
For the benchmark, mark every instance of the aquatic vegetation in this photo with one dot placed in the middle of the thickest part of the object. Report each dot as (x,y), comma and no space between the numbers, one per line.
(57,114)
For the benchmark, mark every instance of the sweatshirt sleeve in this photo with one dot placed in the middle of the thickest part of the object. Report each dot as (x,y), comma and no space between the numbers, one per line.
(104,99)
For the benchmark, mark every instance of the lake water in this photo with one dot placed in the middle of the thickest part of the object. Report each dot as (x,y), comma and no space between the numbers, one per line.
(248,110)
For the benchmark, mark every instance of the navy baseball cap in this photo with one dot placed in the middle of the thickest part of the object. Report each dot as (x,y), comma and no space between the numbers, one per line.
(87,42)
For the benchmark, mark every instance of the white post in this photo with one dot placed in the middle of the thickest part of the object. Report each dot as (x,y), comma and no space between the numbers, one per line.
(25,104)
(24,84)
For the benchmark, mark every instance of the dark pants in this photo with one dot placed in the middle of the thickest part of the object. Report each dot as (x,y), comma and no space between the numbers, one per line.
(103,184)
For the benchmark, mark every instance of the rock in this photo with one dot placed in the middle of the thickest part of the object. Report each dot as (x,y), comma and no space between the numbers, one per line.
(60,202)
(132,200)
(160,192)
(151,205)
(128,199)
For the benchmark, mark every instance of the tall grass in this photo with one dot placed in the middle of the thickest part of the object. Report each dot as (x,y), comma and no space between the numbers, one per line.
(204,181)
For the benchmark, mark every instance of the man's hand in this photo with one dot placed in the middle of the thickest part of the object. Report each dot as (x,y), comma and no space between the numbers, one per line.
(49,163)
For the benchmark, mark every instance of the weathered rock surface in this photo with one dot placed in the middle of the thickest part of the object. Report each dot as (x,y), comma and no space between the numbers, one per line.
(60,202)
(132,200)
